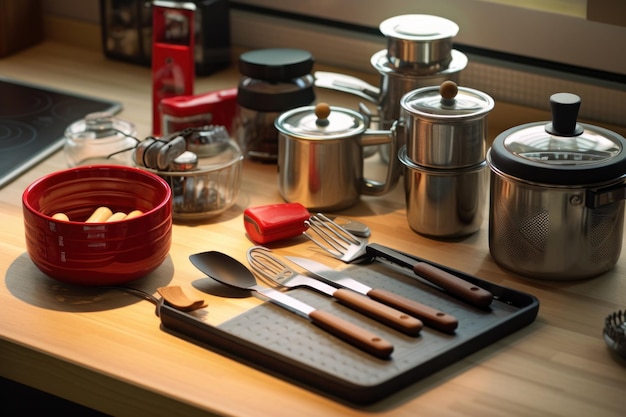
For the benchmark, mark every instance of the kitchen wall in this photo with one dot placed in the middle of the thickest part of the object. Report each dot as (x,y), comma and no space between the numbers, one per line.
(84,10)
(514,83)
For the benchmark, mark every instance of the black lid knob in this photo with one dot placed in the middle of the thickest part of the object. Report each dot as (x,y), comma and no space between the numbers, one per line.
(565,108)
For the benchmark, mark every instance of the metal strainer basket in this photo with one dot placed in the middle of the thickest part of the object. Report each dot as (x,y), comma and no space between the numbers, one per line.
(557,196)
(553,234)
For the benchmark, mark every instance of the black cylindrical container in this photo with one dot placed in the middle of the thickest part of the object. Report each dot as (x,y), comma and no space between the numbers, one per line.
(273,81)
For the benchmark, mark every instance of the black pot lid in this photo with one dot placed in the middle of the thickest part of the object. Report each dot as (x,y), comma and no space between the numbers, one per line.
(561,152)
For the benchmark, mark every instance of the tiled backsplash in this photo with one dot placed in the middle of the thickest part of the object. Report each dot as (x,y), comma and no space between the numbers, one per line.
(602,103)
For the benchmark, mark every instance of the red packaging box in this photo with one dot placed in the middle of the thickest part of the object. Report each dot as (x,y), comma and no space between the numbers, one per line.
(274,222)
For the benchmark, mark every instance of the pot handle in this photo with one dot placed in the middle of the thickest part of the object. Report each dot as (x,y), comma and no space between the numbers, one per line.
(381,137)
(347,84)
(604,196)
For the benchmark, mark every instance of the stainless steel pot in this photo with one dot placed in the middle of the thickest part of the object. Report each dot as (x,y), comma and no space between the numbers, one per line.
(444,203)
(446,125)
(320,157)
(419,54)
(557,190)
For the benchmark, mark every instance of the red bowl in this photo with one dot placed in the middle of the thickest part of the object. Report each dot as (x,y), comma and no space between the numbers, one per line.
(98,253)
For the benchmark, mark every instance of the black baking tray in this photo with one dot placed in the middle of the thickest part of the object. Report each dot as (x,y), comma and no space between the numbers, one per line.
(276,341)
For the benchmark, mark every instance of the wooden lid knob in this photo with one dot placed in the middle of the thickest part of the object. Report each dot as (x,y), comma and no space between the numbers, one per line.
(322,111)
(448,90)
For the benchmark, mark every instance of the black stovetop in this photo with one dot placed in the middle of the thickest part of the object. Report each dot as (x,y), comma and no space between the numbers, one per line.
(33,120)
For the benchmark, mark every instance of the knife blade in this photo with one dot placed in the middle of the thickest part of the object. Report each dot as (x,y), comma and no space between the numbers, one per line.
(456,286)
(430,316)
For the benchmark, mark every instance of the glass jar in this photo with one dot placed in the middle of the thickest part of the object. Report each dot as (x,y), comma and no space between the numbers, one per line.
(100,138)
(273,81)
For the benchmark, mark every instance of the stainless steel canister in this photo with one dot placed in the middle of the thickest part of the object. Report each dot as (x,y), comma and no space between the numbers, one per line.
(320,157)
(444,203)
(445,174)
(446,125)
(419,54)
(557,196)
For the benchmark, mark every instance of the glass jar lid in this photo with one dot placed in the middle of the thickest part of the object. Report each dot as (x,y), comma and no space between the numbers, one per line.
(447,101)
(560,152)
(276,64)
(100,125)
(321,122)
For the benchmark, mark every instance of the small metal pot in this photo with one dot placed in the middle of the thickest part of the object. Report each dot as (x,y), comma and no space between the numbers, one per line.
(444,203)
(446,125)
(557,190)
(320,157)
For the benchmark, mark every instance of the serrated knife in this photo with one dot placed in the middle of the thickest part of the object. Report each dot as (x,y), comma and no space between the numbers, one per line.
(430,316)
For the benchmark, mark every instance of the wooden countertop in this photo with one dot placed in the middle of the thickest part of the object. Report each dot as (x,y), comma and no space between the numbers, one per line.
(92,348)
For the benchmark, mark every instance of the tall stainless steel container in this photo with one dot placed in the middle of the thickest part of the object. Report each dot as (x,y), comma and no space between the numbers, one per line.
(445,175)
(419,54)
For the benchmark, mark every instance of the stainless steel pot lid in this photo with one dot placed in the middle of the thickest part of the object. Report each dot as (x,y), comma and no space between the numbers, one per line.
(381,63)
(447,102)
(560,152)
(321,122)
(418,39)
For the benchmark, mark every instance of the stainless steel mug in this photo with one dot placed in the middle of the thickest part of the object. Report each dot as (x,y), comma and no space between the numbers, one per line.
(320,157)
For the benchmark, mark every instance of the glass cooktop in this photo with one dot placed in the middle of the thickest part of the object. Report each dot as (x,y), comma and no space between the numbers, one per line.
(33,120)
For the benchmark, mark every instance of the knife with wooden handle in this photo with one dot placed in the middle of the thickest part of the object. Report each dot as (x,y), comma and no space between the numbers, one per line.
(431,317)
(460,288)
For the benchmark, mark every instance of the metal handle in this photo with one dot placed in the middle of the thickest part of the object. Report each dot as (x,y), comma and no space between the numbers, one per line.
(383,313)
(353,334)
(430,316)
(347,84)
(381,137)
